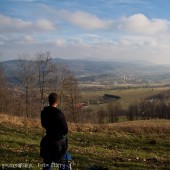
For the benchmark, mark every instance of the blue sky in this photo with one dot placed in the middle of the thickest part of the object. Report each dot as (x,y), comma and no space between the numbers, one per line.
(86,29)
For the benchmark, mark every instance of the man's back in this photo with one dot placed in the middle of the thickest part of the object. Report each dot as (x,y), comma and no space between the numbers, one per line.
(53,120)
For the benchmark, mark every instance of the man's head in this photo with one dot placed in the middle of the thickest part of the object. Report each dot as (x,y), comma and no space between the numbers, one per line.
(53,99)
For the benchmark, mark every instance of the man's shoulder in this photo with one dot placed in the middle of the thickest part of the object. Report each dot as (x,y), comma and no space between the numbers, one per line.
(51,111)
(45,109)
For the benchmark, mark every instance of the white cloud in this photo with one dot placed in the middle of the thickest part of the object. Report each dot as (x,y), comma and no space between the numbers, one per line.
(140,24)
(44,24)
(9,25)
(16,39)
(13,23)
(28,38)
(85,20)
(59,42)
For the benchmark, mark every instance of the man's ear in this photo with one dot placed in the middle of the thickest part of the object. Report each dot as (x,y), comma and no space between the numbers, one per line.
(56,102)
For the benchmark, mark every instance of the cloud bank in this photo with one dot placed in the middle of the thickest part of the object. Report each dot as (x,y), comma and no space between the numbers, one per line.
(83,35)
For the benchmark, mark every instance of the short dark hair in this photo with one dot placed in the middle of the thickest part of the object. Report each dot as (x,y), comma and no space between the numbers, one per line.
(52,98)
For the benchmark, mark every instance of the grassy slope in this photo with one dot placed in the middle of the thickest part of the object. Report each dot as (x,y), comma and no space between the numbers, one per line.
(128,145)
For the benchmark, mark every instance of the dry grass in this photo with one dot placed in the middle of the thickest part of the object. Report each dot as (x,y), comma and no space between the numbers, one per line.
(19,121)
(137,127)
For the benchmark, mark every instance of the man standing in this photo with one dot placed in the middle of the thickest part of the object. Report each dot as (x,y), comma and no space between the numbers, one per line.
(53,145)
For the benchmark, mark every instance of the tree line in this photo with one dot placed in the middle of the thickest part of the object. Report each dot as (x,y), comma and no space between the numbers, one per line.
(147,109)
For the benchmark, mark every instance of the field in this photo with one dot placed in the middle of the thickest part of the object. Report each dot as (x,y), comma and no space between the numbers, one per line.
(125,145)
(128,96)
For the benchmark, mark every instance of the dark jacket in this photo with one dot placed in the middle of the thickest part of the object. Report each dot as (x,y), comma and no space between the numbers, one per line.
(53,145)
(53,120)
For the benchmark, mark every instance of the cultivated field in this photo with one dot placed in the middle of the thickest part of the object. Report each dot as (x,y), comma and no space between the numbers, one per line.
(128,145)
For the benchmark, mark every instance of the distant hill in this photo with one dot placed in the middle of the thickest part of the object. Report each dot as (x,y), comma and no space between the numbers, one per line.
(91,69)
(87,67)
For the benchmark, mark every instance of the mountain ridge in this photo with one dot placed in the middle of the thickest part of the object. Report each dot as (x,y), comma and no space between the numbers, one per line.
(85,68)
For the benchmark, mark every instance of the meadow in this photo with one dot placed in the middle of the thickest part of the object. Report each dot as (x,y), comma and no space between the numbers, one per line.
(126,145)
(128,95)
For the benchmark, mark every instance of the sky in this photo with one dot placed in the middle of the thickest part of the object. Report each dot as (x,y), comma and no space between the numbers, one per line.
(102,30)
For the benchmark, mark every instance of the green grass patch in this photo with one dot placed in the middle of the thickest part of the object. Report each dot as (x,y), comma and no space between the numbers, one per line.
(119,149)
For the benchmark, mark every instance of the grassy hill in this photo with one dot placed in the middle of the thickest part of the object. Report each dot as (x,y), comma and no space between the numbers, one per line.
(126,145)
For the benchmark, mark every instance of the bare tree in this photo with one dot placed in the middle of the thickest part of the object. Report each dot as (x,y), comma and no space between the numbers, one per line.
(67,88)
(10,102)
(45,69)
(114,109)
(3,89)
(70,94)
(101,114)
(73,97)
(26,76)
(5,97)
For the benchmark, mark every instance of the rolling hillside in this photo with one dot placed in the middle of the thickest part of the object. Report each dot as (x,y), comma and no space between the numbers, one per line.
(129,145)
